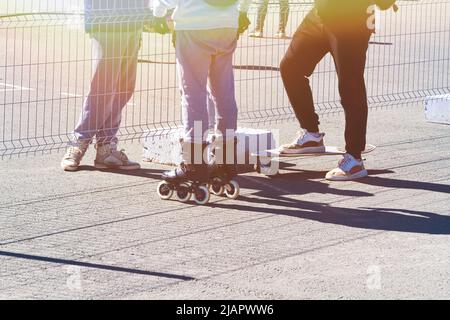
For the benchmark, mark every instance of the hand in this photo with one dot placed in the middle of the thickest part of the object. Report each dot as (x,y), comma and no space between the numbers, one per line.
(160,25)
(395,7)
(244,23)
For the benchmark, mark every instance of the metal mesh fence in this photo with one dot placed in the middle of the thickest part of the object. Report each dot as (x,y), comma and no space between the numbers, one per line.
(46,69)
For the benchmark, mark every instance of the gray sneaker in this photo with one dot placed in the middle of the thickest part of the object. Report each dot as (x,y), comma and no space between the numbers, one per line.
(74,154)
(108,157)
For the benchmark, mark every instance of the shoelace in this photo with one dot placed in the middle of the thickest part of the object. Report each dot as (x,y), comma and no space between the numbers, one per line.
(74,151)
(345,161)
(120,153)
(117,153)
(300,135)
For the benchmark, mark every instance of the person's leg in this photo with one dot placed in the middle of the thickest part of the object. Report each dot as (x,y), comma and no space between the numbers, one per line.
(262,13)
(193,55)
(309,45)
(98,104)
(99,101)
(108,156)
(211,110)
(260,19)
(284,15)
(125,88)
(125,47)
(221,77)
(349,50)
(193,61)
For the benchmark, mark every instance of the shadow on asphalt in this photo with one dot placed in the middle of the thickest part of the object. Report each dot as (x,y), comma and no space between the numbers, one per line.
(93,265)
(299,182)
(405,184)
(385,219)
(144,173)
(276,194)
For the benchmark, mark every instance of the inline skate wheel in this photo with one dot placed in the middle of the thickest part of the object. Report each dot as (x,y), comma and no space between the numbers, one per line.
(232,190)
(165,191)
(216,187)
(202,195)
(183,193)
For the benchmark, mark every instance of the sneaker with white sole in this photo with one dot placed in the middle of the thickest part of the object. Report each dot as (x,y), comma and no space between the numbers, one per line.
(108,157)
(74,154)
(306,142)
(256,34)
(348,169)
(280,35)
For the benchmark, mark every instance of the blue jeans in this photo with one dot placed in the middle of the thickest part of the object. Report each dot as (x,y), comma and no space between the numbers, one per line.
(115,58)
(204,55)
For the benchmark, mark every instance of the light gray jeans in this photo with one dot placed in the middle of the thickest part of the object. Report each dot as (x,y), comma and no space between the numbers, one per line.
(115,58)
(202,56)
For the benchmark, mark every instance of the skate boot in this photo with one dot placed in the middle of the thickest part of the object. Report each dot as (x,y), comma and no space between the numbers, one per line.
(223,169)
(190,179)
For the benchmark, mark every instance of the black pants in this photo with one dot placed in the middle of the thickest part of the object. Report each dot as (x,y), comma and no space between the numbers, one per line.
(348,46)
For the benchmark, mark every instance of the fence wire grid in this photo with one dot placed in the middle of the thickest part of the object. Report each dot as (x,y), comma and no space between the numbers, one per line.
(46,67)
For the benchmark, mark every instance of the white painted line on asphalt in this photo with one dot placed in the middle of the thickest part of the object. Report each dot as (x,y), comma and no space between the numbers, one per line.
(11,87)
(71,95)
(267,185)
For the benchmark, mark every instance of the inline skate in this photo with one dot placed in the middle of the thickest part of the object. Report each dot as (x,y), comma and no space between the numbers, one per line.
(223,168)
(189,180)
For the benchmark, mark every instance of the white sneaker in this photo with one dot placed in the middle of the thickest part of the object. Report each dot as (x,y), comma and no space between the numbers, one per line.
(74,154)
(306,142)
(256,34)
(280,35)
(348,169)
(108,157)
